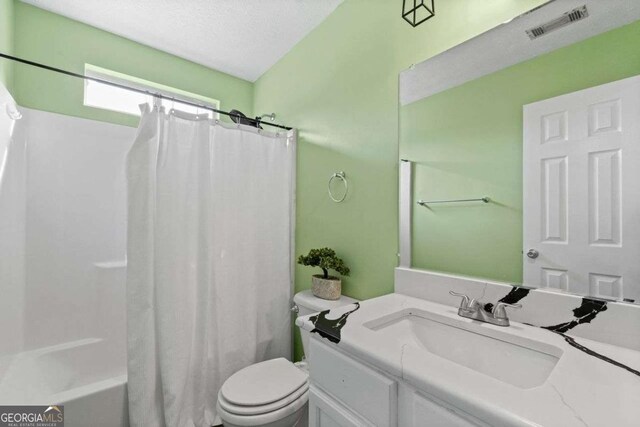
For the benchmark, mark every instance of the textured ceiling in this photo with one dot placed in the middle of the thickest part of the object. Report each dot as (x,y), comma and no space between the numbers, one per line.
(243,38)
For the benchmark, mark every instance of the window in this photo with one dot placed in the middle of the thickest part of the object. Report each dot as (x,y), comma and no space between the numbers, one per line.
(100,95)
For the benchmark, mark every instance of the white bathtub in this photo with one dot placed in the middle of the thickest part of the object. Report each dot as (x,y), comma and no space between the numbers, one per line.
(87,376)
(100,404)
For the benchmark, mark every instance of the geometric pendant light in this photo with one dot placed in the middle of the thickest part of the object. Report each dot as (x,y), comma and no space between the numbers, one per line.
(415,12)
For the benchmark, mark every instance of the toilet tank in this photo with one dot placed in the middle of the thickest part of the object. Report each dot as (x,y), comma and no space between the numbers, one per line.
(308,304)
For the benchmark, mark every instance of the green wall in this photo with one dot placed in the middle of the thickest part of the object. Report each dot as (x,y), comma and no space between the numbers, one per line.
(339,87)
(6,41)
(467,141)
(45,37)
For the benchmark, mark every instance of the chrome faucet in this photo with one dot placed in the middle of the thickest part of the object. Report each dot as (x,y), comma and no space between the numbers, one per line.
(476,310)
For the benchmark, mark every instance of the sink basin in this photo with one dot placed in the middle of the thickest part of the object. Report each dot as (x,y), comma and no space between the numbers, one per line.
(516,360)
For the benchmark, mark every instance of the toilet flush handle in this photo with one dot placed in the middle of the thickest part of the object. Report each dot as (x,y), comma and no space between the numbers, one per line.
(295,309)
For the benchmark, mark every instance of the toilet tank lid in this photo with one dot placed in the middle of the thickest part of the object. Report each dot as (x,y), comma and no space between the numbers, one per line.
(308,300)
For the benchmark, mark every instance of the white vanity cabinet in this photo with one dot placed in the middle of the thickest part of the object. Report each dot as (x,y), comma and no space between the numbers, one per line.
(345,392)
(343,385)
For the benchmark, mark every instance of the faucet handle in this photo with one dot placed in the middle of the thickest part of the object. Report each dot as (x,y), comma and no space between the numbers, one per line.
(499,311)
(474,304)
(464,304)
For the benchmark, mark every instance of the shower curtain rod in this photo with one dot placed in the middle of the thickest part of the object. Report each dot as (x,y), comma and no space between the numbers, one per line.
(133,89)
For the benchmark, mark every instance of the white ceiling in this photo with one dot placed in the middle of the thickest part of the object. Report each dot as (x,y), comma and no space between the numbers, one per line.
(243,38)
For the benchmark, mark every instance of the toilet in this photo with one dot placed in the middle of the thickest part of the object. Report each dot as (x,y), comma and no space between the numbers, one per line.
(273,393)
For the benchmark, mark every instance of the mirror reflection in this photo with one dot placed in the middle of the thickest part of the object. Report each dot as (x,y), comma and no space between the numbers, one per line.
(544,129)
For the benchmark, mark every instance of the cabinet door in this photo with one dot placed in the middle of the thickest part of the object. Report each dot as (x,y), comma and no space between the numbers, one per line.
(417,409)
(366,392)
(326,412)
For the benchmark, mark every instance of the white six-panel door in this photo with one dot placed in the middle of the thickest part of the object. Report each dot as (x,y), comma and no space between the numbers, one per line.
(581,203)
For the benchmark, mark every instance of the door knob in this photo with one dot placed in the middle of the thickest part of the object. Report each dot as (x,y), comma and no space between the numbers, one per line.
(533,254)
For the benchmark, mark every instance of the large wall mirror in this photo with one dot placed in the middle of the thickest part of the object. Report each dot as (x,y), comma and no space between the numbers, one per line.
(524,152)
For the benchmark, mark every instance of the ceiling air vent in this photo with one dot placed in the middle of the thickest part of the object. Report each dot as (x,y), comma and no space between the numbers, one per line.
(567,18)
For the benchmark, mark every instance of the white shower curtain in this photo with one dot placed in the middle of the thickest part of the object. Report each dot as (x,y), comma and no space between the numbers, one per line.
(209,261)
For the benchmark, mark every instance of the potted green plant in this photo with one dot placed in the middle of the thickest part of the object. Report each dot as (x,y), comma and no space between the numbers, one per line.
(323,285)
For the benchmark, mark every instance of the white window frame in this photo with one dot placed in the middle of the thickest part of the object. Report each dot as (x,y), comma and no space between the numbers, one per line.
(146,85)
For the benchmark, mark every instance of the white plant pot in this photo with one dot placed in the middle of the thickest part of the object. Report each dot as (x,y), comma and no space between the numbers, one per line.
(330,288)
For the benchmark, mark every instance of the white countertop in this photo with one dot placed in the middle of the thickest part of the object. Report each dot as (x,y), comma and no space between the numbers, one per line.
(582,390)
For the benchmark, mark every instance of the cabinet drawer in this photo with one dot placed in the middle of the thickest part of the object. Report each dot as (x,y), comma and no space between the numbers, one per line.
(361,389)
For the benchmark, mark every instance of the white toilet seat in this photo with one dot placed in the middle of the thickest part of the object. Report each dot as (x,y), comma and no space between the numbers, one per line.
(278,417)
(268,392)
(262,409)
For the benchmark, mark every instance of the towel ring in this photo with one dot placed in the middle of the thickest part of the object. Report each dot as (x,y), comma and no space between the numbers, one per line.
(341,176)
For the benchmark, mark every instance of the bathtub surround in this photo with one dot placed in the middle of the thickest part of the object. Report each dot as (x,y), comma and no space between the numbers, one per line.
(12,227)
(62,244)
(50,222)
(209,260)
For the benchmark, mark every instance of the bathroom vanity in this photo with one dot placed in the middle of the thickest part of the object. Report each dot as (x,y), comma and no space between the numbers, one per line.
(347,391)
(409,359)
(510,171)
